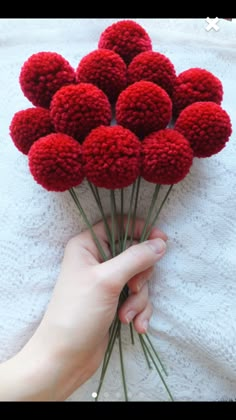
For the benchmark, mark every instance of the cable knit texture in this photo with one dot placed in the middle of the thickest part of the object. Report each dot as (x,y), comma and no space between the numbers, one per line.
(193,290)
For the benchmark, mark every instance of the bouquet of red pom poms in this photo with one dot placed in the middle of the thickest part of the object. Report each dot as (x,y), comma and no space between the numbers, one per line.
(162,121)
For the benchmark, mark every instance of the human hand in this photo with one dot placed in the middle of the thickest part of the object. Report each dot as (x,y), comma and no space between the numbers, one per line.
(71,340)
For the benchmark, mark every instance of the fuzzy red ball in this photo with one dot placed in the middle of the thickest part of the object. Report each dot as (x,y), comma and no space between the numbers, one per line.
(111,157)
(127,38)
(154,67)
(77,109)
(106,70)
(55,161)
(206,126)
(166,157)
(143,107)
(42,75)
(29,125)
(196,85)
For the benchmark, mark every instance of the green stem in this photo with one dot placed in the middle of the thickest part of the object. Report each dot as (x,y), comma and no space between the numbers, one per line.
(145,352)
(113,243)
(116,220)
(97,197)
(135,210)
(153,202)
(158,212)
(129,216)
(158,370)
(122,216)
(90,227)
(111,342)
(122,365)
(156,354)
(131,332)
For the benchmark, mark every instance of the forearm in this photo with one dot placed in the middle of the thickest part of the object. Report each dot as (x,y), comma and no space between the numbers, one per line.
(37,373)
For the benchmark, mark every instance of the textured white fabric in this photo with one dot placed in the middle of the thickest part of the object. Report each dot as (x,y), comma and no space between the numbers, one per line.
(194,290)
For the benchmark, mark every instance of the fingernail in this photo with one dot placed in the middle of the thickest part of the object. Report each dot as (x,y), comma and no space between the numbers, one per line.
(157,245)
(145,325)
(129,316)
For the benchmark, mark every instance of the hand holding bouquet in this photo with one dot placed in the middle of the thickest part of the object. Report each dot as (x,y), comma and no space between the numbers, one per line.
(121,116)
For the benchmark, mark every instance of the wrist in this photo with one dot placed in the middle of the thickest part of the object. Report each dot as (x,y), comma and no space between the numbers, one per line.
(50,372)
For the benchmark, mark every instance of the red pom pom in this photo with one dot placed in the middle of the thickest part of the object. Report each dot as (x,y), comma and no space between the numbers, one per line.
(55,162)
(196,85)
(206,126)
(166,157)
(143,107)
(127,38)
(106,70)
(29,125)
(77,109)
(42,75)
(154,67)
(111,157)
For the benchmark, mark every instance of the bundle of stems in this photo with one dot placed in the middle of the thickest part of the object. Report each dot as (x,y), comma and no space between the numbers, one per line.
(117,230)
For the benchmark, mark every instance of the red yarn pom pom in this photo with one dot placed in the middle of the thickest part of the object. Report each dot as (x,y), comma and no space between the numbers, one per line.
(106,70)
(143,107)
(77,109)
(111,157)
(42,75)
(166,157)
(127,38)
(55,161)
(29,125)
(196,85)
(206,126)
(154,67)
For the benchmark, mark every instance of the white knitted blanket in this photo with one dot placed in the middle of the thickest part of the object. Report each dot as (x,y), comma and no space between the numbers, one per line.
(194,289)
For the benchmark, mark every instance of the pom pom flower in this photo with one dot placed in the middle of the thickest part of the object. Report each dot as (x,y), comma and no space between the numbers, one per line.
(154,67)
(166,157)
(206,126)
(111,157)
(55,161)
(127,38)
(143,107)
(106,70)
(42,75)
(29,125)
(77,109)
(196,85)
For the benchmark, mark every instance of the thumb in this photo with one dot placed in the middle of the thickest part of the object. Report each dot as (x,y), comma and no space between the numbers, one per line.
(119,270)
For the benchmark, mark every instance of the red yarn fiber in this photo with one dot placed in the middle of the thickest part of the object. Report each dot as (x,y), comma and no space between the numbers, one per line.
(77,109)
(28,125)
(206,126)
(196,85)
(42,75)
(55,161)
(111,157)
(106,70)
(127,38)
(166,157)
(143,107)
(154,67)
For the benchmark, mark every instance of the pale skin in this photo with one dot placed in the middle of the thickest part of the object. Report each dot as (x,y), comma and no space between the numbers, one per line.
(70,342)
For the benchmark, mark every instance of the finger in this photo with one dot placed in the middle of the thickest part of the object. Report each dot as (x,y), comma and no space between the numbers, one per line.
(85,248)
(141,321)
(137,282)
(133,305)
(115,273)
(100,230)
